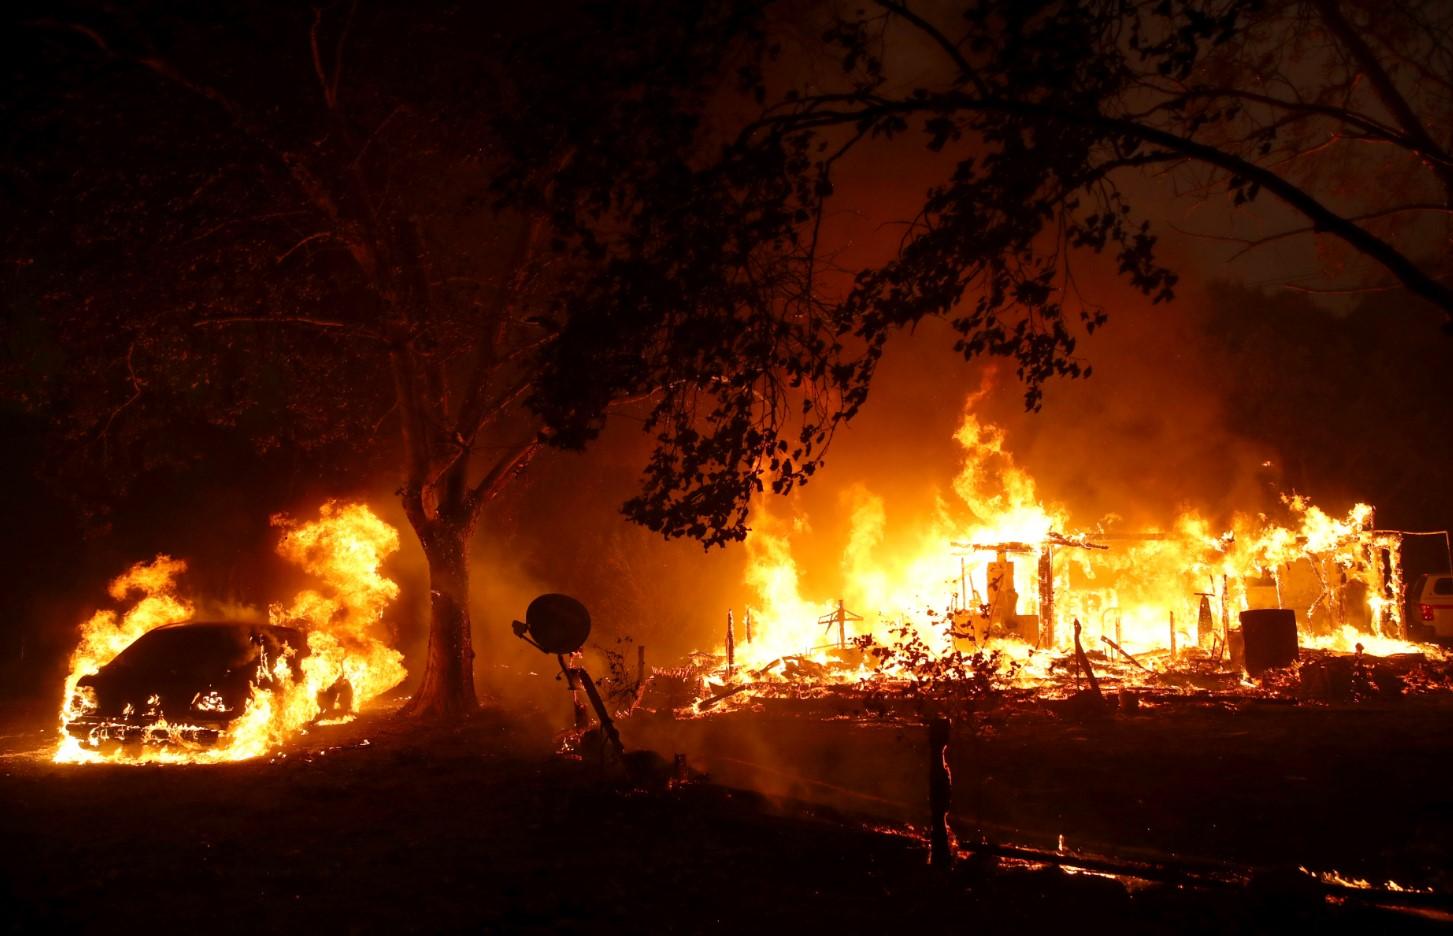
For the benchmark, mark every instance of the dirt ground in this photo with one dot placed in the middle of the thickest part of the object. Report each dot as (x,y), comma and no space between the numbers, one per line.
(1365,790)
(382,826)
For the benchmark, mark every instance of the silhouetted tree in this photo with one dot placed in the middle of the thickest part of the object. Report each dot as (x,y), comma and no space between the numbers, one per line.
(483,232)
(276,223)
(1041,109)
(302,228)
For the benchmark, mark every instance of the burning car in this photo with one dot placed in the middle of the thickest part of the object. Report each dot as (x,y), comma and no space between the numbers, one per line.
(187,682)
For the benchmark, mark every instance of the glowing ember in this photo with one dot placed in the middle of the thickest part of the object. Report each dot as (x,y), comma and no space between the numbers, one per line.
(345,665)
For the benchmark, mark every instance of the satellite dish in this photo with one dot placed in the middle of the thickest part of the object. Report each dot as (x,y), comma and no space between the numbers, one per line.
(557,623)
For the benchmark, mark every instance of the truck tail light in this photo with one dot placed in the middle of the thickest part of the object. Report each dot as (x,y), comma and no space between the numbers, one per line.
(1426,610)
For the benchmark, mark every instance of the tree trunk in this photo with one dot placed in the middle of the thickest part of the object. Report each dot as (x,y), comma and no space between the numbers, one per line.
(448,686)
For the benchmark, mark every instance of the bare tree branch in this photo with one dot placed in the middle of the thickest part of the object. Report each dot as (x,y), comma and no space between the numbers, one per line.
(137,386)
(321,235)
(1387,91)
(1322,218)
(509,465)
(349,328)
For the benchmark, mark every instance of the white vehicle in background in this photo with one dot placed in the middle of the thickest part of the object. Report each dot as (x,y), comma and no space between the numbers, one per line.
(1430,607)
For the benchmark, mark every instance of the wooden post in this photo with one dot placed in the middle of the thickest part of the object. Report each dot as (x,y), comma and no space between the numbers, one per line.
(1046,596)
(1172,635)
(1121,650)
(1083,661)
(747,622)
(840,616)
(940,793)
(731,643)
(640,677)
(1225,614)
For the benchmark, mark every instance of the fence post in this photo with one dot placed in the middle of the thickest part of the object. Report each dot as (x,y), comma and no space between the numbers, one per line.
(940,791)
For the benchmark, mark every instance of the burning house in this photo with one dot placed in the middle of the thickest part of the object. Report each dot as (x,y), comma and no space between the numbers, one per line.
(1009,571)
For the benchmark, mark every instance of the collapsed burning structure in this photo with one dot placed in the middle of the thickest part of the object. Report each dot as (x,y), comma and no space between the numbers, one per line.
(1008,572)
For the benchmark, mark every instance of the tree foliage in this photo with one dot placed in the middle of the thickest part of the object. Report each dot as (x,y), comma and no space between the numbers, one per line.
(710,257)
(276,223)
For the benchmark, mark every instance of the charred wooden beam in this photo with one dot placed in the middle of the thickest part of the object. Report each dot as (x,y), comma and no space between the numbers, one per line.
(709,702)
(1123,652)
(1046,596)
(1084,662)
(731,643)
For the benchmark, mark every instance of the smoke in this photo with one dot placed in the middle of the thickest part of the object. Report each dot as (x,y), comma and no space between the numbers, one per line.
(221,609)
(559,529)
(1147,435)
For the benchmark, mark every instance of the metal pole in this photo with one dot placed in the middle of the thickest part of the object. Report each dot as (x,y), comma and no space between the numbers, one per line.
(582,720)
(606,723)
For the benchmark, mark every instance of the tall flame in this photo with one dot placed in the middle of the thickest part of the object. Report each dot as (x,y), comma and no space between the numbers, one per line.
(344,548)
(106,634)
(1148,590)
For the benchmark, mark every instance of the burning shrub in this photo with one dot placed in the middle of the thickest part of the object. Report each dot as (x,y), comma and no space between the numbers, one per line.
(954,683)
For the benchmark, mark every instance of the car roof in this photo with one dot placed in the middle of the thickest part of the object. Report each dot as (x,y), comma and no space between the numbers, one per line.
(239,625)
(214,637)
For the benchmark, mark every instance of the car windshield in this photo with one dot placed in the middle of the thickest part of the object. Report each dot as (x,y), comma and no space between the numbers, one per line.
(196,645)
(1443,585)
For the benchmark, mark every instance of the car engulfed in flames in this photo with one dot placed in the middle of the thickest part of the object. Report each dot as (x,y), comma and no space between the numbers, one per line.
(187,682)
(155,684)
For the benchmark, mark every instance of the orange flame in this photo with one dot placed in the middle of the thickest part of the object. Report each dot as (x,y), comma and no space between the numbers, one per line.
(344,548)
(1150,591)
